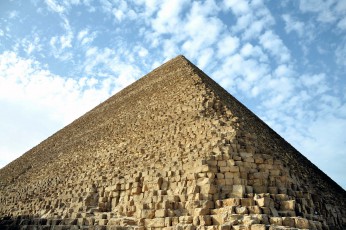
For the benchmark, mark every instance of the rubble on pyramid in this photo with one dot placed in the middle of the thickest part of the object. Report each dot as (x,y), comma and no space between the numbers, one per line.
(171,151)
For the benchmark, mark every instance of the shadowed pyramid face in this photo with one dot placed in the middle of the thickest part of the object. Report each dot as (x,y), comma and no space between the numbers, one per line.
(173,150)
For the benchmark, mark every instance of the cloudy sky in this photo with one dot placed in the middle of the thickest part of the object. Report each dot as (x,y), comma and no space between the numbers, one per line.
(285,60)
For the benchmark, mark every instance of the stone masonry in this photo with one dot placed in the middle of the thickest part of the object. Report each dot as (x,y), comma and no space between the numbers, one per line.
(171,151)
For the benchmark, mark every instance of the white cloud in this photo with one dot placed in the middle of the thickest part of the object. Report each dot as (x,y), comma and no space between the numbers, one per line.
(275,46)
(198,38)
(252,17)
(205,58)
(168,16)
(61,44)
(227,46)
(54,6)
(85,37)
(327,11)
(150,7)
(238,7)
(248,50)
(293,25)
(143,52)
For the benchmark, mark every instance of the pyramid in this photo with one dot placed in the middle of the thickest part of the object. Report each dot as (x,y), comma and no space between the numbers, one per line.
(173,150)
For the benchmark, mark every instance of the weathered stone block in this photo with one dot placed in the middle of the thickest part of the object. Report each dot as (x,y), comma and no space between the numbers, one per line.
(258,227)
(205,220)
(276,220)
(185,219)
(254,209)
(161,213)
(201,211)
(288,221)
(154,223)
(301,222)
(264,202)
(241,210)
(247,202)
(208,189)
(231,202)
(238,191)
(288,205)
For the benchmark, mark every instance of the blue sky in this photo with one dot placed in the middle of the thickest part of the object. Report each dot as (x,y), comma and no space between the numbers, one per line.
(285,60)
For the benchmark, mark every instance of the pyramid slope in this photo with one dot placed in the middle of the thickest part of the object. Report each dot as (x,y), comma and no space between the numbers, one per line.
(172,149)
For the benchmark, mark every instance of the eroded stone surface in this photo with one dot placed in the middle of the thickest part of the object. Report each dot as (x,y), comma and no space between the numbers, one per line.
(171,151)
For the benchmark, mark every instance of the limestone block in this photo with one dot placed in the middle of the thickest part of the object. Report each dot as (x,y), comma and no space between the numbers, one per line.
(224,169)
(258,227)
(221,163)
(185,219)
(207,204)
(221,182)
(249,159)
(247,202)
(301,222)
(220,175)
(208,189)
(205,168)
(229,181)
(154,223)
(231,202)
(205,220)
(233,168)
(254,209)
(273,212)
(260,189)
(281,197)
(225,226)
(203,181)
(265,202)
(102,222)
(89,221)
(276,220)
(288,205)
(161,213)
(192,189)
(273,190)
(212,162)
(136,190)
(241,210)
(259,160)
(239,227)
(238,191)
(201,211)
(230,162)
(220,218)
(148,214)
(263,218)
(250,220)
(288,221)
(228,175)
(175,221)
(80,221)
(168,221)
